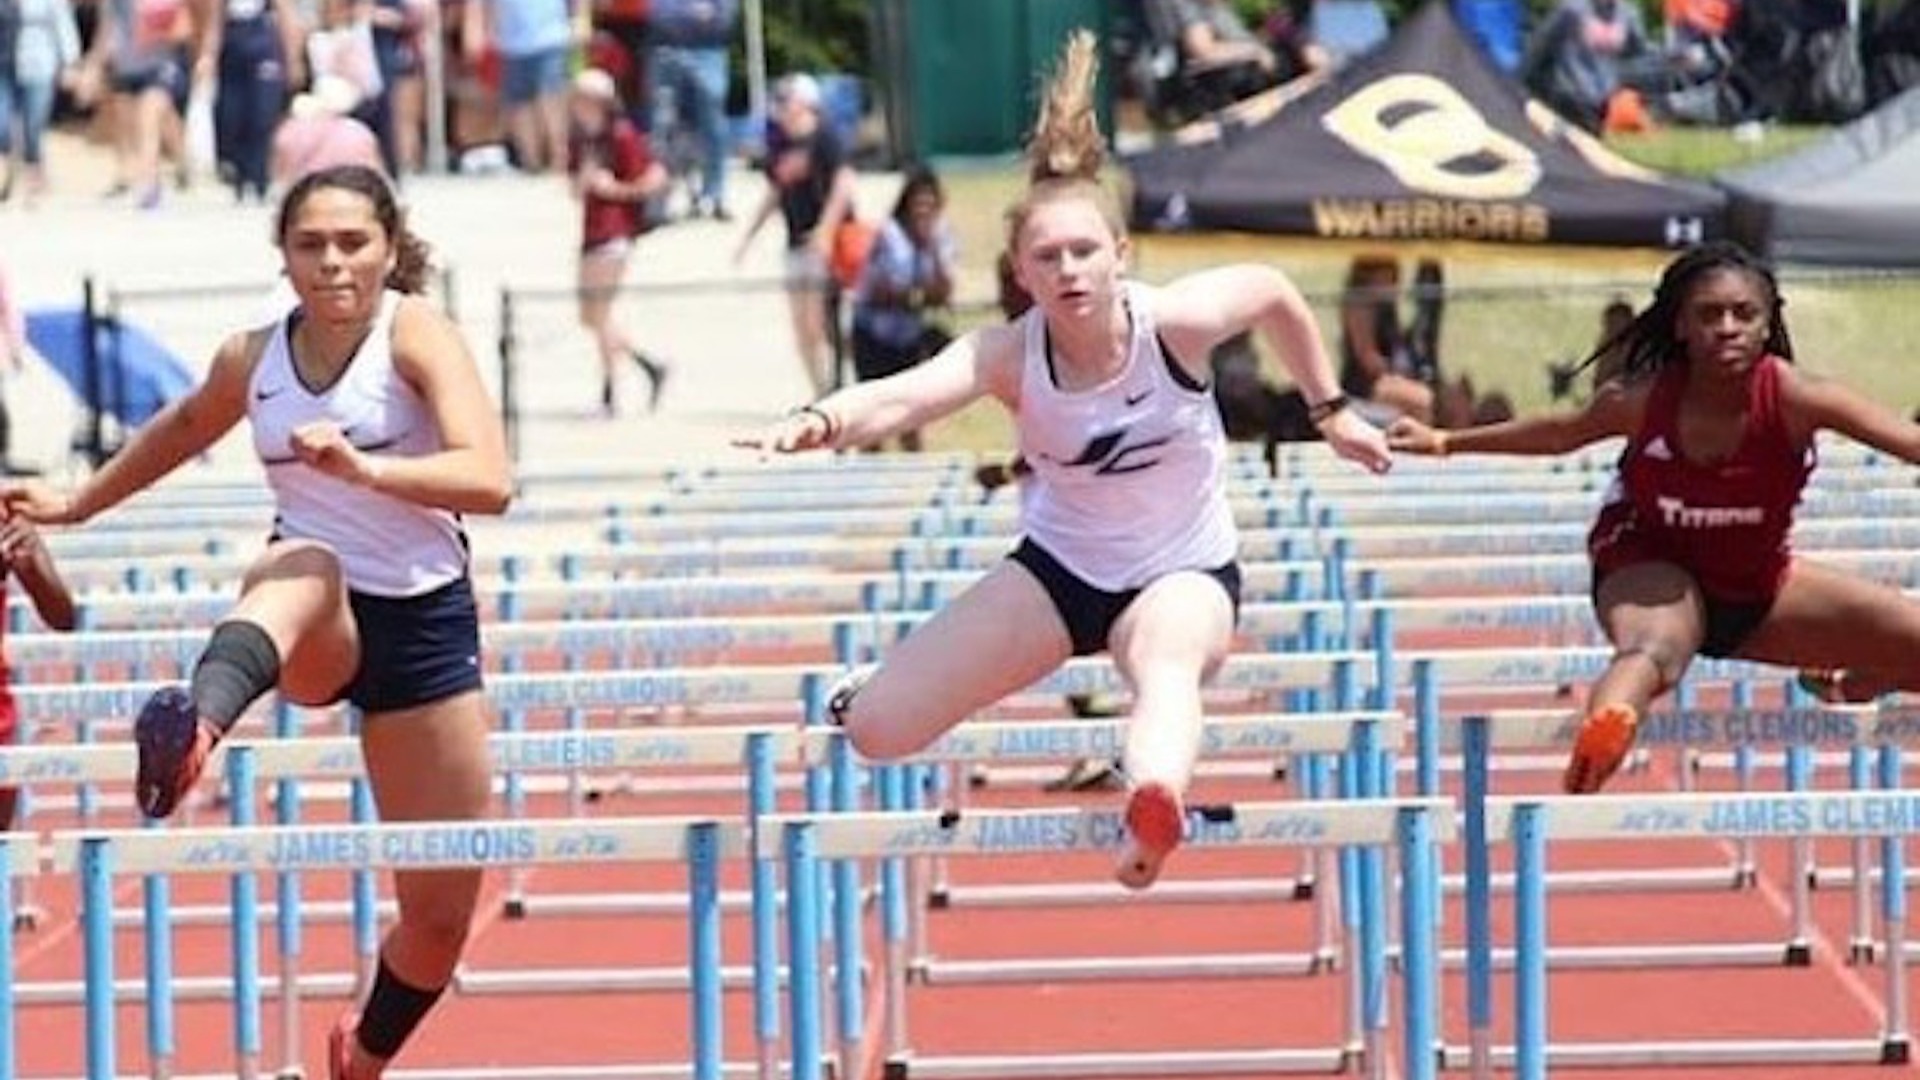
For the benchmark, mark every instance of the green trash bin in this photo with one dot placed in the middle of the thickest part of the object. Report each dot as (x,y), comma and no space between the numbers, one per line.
(960,77)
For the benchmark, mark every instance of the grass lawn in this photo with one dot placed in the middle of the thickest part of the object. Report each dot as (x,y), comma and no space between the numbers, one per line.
(1516,308)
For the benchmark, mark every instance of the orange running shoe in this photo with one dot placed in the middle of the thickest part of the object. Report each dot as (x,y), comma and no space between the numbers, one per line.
(1156,822)
(173,745)
(1601,748)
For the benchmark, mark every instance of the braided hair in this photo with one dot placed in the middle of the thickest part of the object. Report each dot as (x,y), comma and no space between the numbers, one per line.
(1648,343)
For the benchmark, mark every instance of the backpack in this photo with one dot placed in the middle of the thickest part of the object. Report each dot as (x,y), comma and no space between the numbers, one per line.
(852,244)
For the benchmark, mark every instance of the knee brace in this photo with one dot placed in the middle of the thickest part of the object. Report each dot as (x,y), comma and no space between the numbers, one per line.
(240,665)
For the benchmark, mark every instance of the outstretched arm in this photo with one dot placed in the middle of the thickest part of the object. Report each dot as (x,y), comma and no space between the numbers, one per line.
(1201,310)
(1814,403)
(25,555)
(1614,411)
(985,361)
(186,427)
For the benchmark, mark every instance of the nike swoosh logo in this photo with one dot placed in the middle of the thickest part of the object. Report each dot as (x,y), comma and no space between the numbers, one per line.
(1135,399)
(264,394)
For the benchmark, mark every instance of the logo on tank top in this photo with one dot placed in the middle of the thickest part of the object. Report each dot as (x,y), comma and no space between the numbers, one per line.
(1111,454)
(1676,514)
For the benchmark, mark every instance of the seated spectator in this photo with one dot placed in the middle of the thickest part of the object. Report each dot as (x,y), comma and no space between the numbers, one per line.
(1376,366)
(1217,59)
(1578,59)
(908,274)
(1288,32)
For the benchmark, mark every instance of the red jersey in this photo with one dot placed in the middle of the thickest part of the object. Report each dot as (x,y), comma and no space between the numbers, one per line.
(1727,524)
(622,150)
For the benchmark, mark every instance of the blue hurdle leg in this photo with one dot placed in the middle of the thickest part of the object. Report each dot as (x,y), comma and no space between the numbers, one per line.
(849,1008)
(1860,949)
(8,1018)
(287,916)
(1896,1044)
(1479,899)
(1530,946)
(893,918)
(1420,983)
(803,951)
(766,910)
(703,925)
(1799,778)
(245,889)
(96,884)
(157,898)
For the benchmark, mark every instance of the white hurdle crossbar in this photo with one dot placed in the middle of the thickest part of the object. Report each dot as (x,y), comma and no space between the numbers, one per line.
(1529,824)
(96,856)
(1412,827)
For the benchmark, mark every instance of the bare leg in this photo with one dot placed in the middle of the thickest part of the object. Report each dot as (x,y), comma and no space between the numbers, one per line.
(523,126)
(295,593)
(807,304)
(1168,642)
(599,276)
(428,763)
(1653,614)
(998,637)
(552,110)
(1825,618)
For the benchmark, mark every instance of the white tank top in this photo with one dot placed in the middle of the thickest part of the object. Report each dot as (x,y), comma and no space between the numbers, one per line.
(1128,477)
(387,546)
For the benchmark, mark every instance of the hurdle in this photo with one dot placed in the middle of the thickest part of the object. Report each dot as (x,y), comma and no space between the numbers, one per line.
(1345,734)
(1412,827)
(1743,730)
(98,856)
(1529,824)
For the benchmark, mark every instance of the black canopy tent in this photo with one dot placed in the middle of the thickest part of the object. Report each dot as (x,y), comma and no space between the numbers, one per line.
(1423,138)
(1852,198)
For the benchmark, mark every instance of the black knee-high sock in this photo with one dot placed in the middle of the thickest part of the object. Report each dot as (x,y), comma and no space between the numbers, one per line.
(392,1011)
(241,664)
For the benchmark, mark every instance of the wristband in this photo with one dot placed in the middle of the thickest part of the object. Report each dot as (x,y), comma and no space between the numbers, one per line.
(826,419)
(1325,410)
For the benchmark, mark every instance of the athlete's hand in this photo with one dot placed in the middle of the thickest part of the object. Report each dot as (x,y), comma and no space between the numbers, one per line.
(1414,437)
(1357,441)
(321,445)
(19,541)
(803,429)
(39,502)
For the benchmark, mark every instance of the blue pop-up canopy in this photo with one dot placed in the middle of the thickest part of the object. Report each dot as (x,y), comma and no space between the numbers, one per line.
(137,374)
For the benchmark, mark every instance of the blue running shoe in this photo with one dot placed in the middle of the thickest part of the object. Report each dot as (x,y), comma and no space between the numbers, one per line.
(173,746)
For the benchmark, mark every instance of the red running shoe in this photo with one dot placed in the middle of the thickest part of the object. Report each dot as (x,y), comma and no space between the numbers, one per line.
(1156,822)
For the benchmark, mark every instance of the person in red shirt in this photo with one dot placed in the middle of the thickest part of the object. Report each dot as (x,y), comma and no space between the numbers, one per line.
(614,175)
(1690,551)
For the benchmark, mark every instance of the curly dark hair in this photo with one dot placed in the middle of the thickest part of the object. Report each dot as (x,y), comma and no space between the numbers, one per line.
(1648,344)
(412,255)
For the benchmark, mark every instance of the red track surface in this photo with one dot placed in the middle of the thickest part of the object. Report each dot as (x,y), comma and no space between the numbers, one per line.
(1828,999)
